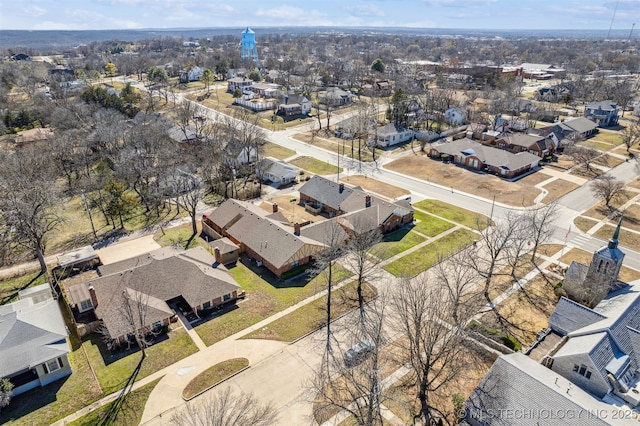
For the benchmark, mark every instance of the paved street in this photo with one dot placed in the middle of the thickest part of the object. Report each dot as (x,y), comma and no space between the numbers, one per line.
(280,372)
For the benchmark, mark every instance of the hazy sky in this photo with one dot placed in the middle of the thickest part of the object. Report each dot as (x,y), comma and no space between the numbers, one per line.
(473,14)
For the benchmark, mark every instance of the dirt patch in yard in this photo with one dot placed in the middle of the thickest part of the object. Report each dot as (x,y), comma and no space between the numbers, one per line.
(389,191)
(293,211)
(557,189)
(519,193)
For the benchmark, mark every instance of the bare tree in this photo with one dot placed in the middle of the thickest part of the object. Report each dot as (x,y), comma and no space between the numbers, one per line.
(583,155)
(357,260)
(187,193)
(355,386)
(631,135)
(607,188)
(29,199)
(431,343)
(541,225)
(225,409)
(325,270)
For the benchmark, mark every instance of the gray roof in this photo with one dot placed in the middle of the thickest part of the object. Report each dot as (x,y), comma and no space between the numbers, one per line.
(80,255)
(276,167)
(351,199)
(390,130)
(569,316)
(30,334)
(578,124)
(179,134)
(326,232)
(487,154)
(273,242)
(519,391)
(602,105)
(524,140)
(156,277)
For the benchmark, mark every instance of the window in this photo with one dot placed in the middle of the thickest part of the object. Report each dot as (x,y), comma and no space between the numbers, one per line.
(51,366)
(206,305)
(85,305)
(582,370)
(226,297)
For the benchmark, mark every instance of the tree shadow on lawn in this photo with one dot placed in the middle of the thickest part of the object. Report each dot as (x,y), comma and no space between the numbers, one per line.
(111,415)
(297,281)
(16,290)
(32,400)
(398,235)
(111,356)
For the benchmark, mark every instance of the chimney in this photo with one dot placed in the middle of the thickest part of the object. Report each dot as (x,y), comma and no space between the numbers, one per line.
(218,255)
(274,206)
(367,200)
(94,299)
(296,228)
(341,187)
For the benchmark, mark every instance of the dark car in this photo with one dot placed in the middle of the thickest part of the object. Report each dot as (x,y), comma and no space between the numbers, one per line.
(358,353)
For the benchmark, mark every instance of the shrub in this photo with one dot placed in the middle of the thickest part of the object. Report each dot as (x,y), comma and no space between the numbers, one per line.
(511,342)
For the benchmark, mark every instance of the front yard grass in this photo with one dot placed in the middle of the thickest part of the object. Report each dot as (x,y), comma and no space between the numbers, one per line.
(45,405)
(395,243)
(455,214)
(180,235)
(610,137)
(584,223)
(266,296)
(125,412)
(627,238)
(558,188)
(115,368)
(428,255)
(277,151)
(313,315)
(373,185)
(316,166)
(601,146)
(9,288)
(214,375)
(430,225)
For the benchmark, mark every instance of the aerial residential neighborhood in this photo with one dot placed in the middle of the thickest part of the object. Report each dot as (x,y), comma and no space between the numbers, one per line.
(348,224)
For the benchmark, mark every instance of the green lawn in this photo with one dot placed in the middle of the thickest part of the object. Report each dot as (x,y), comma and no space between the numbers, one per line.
(114,369)
(9,288)
(214,375)
(182,235)
(126,411)
(315,166)
(45,405)
(427,256)
(396,242)
(453,213)
(610,137)
(312,316)
(265,297)
(277,151)
(602,146)
(430,225)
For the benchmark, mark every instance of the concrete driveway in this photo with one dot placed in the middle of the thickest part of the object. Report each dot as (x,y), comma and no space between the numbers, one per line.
(127,249)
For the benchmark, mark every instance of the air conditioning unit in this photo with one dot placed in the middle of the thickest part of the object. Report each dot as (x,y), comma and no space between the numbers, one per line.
(259,262)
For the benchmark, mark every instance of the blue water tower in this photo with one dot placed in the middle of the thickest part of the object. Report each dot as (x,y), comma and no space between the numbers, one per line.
(248,46)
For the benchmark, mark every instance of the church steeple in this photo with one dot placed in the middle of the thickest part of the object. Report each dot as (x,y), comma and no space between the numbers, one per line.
(613,242)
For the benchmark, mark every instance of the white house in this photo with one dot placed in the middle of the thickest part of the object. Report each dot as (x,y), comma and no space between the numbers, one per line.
(455,116)
(277,172)
(391,134)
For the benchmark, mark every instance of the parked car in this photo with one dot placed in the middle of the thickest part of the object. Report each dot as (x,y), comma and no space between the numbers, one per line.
(358,353)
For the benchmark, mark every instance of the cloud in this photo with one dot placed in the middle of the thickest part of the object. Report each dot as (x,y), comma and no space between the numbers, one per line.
(457,3)
(367,10)
(35,11)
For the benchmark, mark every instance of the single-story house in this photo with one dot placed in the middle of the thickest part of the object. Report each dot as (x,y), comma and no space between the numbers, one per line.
(334,96)
(391,134)
(477,156)
(183,135)
(34,350)
(272,244)
(37,134)
(276,172)
(336,199)
(520,142)
(580,127)
(603,113)
(152,286)
(264,90)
